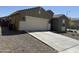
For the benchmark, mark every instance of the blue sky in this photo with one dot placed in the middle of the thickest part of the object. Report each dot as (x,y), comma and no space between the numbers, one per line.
(71,11)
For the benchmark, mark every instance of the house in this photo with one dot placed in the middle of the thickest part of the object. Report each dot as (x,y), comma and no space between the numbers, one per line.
(36,19)
(33,19)
(59,23)
(3,21)
(51,13)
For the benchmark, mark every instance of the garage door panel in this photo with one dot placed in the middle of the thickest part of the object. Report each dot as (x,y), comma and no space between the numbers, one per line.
(34,23)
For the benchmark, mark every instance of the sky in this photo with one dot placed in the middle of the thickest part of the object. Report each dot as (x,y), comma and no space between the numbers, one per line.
(70,11)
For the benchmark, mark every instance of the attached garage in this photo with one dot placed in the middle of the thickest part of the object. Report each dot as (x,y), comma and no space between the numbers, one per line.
(33,19)
(34,24)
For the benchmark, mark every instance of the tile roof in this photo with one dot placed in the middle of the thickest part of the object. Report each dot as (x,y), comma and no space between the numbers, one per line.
(58,15)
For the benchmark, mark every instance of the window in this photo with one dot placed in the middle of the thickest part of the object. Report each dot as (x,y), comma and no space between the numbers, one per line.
(63,21)
(39,12)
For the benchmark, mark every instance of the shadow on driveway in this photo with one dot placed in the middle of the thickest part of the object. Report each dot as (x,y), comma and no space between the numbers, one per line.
(6,31)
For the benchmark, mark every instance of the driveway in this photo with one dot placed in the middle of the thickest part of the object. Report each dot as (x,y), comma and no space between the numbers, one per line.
(57,41)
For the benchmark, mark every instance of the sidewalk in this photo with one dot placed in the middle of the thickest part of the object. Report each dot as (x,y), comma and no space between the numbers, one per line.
(72,50)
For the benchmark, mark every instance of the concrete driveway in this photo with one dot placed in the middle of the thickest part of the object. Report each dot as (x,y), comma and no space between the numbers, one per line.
(57,41)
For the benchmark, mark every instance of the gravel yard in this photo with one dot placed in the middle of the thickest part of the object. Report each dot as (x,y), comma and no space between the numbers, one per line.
(23,43)
(72,35)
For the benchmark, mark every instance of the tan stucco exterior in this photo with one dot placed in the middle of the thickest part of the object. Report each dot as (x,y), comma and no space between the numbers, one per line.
(20,16)
(34,24)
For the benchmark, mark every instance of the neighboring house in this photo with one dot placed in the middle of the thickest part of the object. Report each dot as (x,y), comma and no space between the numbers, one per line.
(50,12)
(33,19)
(59,23)
(3,21)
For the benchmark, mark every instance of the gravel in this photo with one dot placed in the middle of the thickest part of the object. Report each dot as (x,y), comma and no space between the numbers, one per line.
(72,35)
(23,43)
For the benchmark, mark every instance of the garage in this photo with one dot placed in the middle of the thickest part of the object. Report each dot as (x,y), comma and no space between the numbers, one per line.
(32,19)
(34,24)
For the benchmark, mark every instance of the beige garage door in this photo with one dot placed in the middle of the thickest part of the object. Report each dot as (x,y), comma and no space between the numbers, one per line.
(34,24)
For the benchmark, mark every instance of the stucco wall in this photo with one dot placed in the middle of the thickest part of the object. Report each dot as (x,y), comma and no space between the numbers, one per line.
(34,24)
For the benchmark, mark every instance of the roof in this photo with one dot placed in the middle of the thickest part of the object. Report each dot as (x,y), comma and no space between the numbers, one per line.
(34,12)
(51,12)
(61,16)
(58,15)
(20,11)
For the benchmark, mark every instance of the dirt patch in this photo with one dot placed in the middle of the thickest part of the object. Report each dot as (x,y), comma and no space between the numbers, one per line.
(72,35)
(23,43)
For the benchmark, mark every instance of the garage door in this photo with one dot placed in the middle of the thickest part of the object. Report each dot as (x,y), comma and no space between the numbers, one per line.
(34,24)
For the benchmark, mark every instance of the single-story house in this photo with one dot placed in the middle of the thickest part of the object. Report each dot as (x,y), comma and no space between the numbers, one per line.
(33,19)
(59,23)
(36,19)
(3,21)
